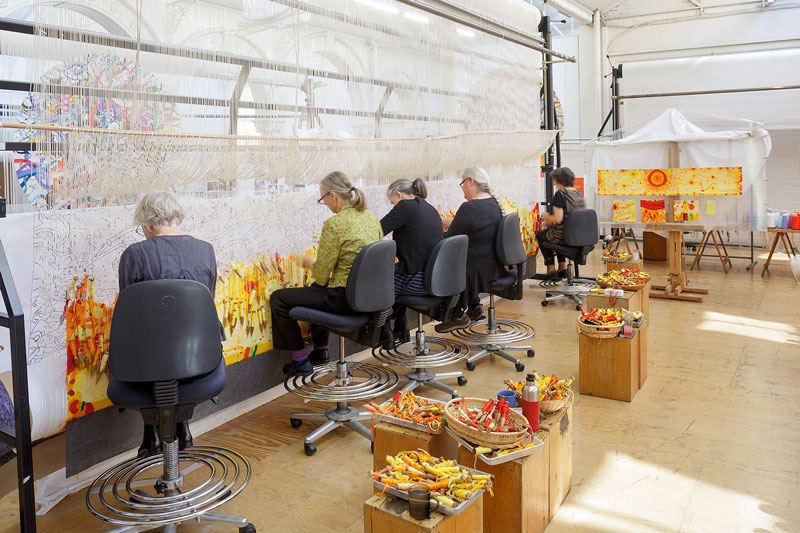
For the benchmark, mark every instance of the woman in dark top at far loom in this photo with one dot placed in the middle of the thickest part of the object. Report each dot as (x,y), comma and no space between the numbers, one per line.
(566,200)
(416,229)
(165,254)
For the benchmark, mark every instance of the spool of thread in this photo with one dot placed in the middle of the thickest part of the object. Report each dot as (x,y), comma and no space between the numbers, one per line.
(795,220)
(770,219)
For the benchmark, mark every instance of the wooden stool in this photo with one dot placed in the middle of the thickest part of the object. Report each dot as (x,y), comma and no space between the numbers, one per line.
(609,368)
(521,493)
(384,513)
(633,264)
(559,427)
(389,439)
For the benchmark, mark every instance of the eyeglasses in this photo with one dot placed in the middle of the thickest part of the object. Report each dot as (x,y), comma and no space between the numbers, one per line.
(139,231)
(322,198)
(462,182)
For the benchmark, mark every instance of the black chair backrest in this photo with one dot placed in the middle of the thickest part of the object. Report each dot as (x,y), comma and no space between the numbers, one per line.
(164,330)
(446,269)
(581,228)
(370,284)
(508,245)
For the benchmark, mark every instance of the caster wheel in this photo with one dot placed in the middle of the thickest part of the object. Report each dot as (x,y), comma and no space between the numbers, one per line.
(578,307)
(462,381)
(544,303)
(311,449)
(531,353)
(295,422)
(249,528)
(470,366)
(520,367)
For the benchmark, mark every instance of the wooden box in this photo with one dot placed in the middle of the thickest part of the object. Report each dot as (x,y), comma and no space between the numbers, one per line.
(384,513)
(559,427)
(634,264)
(630,300)
(609,368)
(390,439)
(521,492)
(654,246)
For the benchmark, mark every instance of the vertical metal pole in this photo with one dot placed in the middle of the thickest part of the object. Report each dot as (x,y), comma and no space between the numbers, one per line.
(549,110)
(236,97)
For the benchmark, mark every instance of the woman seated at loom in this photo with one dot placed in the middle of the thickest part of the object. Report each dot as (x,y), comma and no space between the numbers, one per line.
(566,199)
(343,236)
(165,254)
(416,229)
(478,218)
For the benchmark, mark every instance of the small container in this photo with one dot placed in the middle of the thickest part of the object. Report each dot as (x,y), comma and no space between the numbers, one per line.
(530,402)
(420,505)
(770,218)
(510,397)
(795,220)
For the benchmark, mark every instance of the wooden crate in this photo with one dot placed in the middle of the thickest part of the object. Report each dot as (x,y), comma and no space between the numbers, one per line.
(390,439)
(384,513)
(633,264)
(521,491)
(609,368)
(559,427)
(654,246)
(630,300)
(643,353)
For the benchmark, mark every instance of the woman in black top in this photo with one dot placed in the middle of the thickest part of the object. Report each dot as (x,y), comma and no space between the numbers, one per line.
(165,254)
(566,199)
(416,229)
(479,219)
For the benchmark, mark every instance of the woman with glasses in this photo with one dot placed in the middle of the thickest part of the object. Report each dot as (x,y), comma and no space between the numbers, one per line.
(478,218)
(416,228)
(343,235)
(165,254)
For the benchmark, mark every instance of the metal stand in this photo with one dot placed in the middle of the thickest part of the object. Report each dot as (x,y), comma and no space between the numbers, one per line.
(426,352)
(339,382)
(492,336)
(111,496)
(20,436)
(573,288)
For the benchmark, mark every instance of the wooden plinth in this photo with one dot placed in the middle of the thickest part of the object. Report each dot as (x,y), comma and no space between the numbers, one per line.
(609,368)
(559,427)
(387,514)
(521,491)
(390,439)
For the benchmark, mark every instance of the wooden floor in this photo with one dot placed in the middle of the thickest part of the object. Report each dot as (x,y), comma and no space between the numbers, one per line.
(710,444)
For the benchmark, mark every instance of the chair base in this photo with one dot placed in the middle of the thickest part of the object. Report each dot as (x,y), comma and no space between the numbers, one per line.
(113,499)
(422,377)
(343,414)
(488,349)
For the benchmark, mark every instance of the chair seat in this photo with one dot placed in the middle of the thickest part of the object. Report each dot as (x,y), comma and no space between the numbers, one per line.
(504,282)
(576,253)
(419,303)
(329,320)
(190,391)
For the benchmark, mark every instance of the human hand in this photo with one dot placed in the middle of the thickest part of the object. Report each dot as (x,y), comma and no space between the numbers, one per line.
(308,261)
(446,221)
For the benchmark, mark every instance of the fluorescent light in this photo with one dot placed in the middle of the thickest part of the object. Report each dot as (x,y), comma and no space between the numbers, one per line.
(422,19)
(465,33)
(379,6)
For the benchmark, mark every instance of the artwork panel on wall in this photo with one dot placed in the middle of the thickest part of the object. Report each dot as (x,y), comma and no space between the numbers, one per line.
(719,181)
(636,182)
(653,211)
(624,211)
(685,210)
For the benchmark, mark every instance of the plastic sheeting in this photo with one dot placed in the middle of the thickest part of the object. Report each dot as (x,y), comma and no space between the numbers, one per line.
(720,142)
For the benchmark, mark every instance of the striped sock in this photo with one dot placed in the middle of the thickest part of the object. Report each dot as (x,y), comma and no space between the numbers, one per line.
(299,355)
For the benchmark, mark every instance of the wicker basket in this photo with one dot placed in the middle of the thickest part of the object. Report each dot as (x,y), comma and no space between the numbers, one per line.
(599,332)
(607,285)
(552,406)
(490,439)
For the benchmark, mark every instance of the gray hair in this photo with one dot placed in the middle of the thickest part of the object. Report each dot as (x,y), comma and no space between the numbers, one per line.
(339,184)
(158,209)
(481,179)
(406,186)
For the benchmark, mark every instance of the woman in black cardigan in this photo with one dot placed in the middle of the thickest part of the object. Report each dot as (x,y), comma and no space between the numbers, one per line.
(416,229)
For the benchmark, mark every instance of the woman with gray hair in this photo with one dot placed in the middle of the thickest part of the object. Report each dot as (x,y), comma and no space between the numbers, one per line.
(165,254)
(416,229)
(478,218)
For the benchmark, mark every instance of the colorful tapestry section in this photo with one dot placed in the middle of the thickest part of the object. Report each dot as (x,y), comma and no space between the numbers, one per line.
(653,210)
(717,181)
(624,211)
(685,210)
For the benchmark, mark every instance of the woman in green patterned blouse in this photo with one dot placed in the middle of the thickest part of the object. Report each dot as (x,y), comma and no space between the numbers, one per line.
(343,236)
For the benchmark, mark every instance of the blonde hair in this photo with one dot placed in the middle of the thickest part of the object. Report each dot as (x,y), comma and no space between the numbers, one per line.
(406,186)
(158,209)
(481,179)
(339,184)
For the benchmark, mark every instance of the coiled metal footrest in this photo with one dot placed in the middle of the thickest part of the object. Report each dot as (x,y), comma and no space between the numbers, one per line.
(343,381)
(506,331)
(220,475)
(440,351)
(578,285)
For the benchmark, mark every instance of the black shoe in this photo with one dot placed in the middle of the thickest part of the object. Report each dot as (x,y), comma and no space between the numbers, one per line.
(562,274)
(551,276)
(184,436)
(319,356)
(476,314)
(294,367)
(456,323)
(151,442)
(386,339)
(402,336)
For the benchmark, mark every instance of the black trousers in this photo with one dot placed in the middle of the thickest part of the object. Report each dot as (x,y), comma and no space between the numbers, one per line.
(286,334)
(547,254)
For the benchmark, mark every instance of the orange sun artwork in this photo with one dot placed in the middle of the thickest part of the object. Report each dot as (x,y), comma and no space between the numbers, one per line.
(653,210)
(685,210)
(717,181)
(636,182)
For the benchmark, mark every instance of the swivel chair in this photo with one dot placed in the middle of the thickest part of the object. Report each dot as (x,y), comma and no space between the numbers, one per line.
(445,279)
(580,236)
(370,293)
(493,334)
(165,357)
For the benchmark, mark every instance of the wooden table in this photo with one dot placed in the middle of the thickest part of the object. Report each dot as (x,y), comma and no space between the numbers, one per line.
(783,236)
